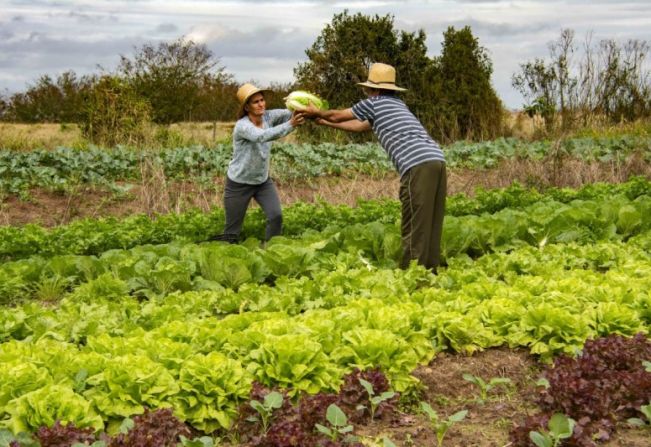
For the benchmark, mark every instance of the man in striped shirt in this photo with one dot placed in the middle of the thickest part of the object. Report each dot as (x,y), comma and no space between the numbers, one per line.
(417,157)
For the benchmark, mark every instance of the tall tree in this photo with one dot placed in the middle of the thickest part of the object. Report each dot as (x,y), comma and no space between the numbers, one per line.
(4,106)
(451,95)
(466,102)
(342,53)
(169,76)
(216,99)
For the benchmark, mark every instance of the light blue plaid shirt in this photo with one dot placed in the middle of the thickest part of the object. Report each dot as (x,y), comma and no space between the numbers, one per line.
(252,146)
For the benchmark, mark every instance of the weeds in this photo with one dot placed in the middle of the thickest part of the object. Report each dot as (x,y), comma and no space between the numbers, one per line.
(486,387)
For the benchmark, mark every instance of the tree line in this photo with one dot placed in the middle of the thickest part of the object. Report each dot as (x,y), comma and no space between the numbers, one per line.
(451,94)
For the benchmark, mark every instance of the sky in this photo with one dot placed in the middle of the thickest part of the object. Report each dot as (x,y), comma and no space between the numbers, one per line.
(263,41)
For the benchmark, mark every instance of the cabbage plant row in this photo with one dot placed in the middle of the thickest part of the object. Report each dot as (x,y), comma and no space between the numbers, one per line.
(64,167)
(92,339)
(94,236)
(155,269)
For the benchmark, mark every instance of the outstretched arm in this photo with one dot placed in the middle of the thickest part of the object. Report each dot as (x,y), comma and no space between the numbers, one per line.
(352,125)
(333,116)
(248,131)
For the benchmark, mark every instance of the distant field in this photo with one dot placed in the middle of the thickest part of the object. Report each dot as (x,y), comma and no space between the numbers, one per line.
(51,135)
(17,136)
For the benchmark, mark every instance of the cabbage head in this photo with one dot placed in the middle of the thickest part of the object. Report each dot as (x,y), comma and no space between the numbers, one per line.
(299,99)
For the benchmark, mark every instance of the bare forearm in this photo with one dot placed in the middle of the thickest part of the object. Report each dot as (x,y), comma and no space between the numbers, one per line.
(350,125)
(333,116)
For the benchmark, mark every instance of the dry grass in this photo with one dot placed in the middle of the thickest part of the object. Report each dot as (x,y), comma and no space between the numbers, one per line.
(25,137)
(520,125)
(551,172)
(204,133)
(40,136)
(49,136)
(154,189)
(156,194)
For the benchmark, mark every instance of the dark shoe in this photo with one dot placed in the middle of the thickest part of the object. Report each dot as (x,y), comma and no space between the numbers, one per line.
(230,238)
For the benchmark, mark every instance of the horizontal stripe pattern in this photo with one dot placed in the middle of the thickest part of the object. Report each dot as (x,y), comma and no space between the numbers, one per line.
(400,133)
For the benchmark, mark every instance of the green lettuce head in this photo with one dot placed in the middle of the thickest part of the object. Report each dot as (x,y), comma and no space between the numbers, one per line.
(300,99)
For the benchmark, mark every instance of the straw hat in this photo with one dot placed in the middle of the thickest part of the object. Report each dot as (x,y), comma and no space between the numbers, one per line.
(382,76)
(243,95)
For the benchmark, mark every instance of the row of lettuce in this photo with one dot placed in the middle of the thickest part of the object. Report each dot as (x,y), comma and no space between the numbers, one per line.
(161,269)
(101,354)
(64,167)
(95,236)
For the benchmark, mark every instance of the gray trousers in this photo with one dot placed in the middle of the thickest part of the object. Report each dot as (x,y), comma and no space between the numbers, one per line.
(423,190)
(237,197)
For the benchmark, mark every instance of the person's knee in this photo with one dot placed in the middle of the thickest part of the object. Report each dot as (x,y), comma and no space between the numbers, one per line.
(275,219)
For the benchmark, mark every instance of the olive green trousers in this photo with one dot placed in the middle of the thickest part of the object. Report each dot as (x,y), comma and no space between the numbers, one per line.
(423,190)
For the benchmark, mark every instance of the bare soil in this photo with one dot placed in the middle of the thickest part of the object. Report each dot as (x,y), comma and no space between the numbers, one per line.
(488,422)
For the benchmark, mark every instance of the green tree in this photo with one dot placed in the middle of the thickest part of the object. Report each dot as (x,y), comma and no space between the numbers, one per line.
(4,106)
(342,53)
(216,99)
(39,103)
(537,83)
(623,86)
(451,95)
(466,104)
(50,100)
(74,92)
(553,86)
(169,76)
(609,81)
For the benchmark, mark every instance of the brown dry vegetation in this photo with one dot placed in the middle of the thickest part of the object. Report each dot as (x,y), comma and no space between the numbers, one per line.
(17,136)
(155,194)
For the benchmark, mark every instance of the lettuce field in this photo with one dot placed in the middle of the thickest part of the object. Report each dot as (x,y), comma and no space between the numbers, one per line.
(141,331)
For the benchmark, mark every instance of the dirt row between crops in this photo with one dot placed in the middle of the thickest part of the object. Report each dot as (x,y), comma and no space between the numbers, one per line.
(488,422)
(158,195)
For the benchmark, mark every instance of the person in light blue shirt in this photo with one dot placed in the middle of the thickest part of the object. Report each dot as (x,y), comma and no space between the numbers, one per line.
(247,176)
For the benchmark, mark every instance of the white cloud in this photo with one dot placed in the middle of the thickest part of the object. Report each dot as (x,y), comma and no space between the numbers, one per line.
(266,40)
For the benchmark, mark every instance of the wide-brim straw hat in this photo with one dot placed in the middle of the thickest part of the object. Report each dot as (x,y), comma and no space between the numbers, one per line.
(244,93)
(383,77)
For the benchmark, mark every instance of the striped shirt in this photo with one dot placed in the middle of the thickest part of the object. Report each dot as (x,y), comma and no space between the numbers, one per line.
(252,146)
(399,132)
